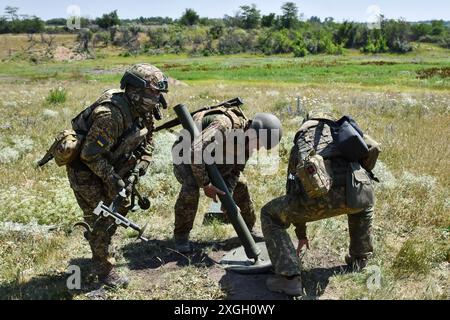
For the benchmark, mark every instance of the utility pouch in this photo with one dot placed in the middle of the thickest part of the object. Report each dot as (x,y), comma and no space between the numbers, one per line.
(359,188)
(313,173)
(67,147)
(370,161)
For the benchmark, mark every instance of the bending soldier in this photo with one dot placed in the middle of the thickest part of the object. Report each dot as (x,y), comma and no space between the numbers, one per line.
(335,195)
(193,176)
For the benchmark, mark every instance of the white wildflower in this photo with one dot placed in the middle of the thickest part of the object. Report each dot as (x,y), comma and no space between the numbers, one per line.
(49,114)
(8,155)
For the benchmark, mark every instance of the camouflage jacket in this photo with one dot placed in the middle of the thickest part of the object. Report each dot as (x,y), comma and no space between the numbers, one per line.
(107,125)
(219,124)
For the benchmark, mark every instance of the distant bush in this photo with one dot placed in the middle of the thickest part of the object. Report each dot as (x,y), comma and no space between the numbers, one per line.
(300,51)
(445,42)
(400,46)
(376,46)
(236,41)
(58,95)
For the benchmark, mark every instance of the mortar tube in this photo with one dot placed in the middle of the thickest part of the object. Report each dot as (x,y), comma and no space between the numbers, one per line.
(251,250)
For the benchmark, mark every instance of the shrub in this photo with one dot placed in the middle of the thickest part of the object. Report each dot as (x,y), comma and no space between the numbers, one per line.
(236,41)
(300,51)
(274,42)
(58,95)
(400,46)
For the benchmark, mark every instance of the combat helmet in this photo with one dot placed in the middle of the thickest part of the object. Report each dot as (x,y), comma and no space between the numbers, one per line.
(144,84)
(273,126)
(144,75)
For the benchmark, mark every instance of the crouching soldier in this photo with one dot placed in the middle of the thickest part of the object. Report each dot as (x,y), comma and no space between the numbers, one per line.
(96,171)
(325,179)
(218,124)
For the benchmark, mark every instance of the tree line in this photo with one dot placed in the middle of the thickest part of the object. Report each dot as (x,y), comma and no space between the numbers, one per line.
(246,31)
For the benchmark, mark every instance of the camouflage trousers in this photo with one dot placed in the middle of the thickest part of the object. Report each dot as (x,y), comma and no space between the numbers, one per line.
(89,190)
(186,205)
(280,213)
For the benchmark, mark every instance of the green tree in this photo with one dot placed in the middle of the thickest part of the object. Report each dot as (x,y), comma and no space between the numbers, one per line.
(108,20)
(216,31)
(56,22)
(269,20)
(250,17)
(397,34)
(4,25)
(420,30)
(12,12)
(189,18)
(289,18)
(437,27)
(31,25)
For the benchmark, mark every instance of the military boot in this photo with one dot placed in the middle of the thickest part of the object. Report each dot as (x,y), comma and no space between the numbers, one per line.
(114,280)
(281,284)
(182,245)
(108,275)
(356,264)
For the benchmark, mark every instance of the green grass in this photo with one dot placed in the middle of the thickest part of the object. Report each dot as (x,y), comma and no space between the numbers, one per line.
(352,68)
(57,96)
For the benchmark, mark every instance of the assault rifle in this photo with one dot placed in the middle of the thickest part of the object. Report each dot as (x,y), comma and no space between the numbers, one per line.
(102,211)
(236,102)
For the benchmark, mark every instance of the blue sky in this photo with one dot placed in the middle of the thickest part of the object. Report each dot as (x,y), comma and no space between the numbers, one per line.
(412,10)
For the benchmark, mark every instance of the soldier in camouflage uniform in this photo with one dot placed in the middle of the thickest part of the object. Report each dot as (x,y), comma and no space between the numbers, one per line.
(93,177)
(194,177)
(298,209)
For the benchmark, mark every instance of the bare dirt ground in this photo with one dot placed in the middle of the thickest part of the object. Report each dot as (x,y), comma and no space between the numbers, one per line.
(160,259)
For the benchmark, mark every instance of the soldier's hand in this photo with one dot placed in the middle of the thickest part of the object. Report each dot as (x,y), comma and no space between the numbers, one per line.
(142,167)
(116,184)
(212,192)
(225,213)
(301,244)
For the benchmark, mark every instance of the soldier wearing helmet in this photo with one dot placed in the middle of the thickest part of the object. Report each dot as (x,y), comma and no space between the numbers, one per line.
(93,175)
(193,176)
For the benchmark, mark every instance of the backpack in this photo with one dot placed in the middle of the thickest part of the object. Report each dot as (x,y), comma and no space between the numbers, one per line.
(321,140)
(67,145)
(315,144)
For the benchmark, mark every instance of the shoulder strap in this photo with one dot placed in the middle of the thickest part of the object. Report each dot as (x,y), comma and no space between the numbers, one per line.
(119,101)
(235,114)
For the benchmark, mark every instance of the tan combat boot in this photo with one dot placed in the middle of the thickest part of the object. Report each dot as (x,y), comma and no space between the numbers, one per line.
(281,284)
(114,280)
(108,275)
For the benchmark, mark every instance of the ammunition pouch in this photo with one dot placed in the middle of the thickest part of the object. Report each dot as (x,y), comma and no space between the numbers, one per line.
(359,189)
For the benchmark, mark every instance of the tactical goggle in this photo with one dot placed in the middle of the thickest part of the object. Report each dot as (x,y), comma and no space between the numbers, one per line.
(137,82)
